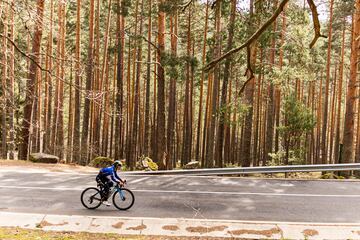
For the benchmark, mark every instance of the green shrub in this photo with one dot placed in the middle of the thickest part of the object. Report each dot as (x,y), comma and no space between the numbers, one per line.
(101,162)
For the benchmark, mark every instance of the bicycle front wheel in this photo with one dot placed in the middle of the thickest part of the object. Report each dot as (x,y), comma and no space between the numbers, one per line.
(91,198)
(123,199)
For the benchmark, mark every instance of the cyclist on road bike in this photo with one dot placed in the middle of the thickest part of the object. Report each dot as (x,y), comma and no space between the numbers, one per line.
(108,176)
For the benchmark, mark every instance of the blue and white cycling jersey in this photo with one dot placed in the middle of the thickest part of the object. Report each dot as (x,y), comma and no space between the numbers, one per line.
(110,173)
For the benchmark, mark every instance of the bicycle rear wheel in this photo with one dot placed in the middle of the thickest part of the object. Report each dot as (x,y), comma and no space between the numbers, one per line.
(123,199)
(91,198)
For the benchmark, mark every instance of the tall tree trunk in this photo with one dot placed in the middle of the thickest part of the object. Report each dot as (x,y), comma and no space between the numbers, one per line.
(324,152)
(105,85)
(249,99)
(77,107)
(119,83)
(147,94)
(60,137)
(187,137)
(318,127)
(113,102)
(58,119)
(198,138)
(347,156)
(215,90)
(206,119)
(172,95)
(71,118)
(271,103)
(106,110)
(4,90)
(339,102)
(278,88)
(48,86)
(332,123)
(97,90)
(135,124)
(89,79)
(31,83)
(154,124)
(257,130)
(55,119)
(161,137)
(221,125)
(11,105)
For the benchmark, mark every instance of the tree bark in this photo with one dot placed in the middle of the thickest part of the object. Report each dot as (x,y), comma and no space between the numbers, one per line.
(198,138)
(104,90)
(4,90)
(89,79)
(161,152)
(147,94)
(119,83)
(187,137)
(48,86)
(77,107)
(348,153)
(135,120)
(172,96)
(31,83)
(215,90)
(223,104)
(339,99)
(324,146)
(11,107)
(271,105)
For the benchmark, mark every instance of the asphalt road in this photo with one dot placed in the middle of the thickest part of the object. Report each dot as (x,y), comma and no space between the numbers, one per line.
(189,197)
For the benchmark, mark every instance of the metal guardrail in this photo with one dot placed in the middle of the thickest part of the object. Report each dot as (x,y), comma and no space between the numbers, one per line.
(249,170)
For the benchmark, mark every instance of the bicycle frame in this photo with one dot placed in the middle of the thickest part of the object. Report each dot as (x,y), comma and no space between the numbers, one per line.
(117,189)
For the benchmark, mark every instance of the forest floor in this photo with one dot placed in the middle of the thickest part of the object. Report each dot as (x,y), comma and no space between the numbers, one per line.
(26,234)
(59,167)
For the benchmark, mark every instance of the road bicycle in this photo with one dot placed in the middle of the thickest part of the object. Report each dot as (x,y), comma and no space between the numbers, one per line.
(122,198)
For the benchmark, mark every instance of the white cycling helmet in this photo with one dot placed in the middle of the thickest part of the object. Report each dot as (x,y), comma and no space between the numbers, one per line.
(117,163)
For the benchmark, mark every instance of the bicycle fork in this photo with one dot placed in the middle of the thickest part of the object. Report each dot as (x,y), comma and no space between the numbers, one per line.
(122,196)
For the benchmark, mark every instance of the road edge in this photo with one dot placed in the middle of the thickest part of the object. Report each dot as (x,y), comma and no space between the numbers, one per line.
(181,227)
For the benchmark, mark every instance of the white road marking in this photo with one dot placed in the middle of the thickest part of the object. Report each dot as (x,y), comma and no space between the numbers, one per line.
(139,180)
(192,192)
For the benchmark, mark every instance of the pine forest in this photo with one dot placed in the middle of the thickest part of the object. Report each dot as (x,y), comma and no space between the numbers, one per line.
(219,82)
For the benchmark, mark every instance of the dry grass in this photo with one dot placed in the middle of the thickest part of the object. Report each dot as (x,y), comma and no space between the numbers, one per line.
(310,232)
(137,228)
(267,233)
(170,227)
(205,229)
(118,225)
(46,224)
(24,234)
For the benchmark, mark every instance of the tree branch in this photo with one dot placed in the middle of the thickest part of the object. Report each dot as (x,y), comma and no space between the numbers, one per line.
(315,17)
(38,65)
(245,83)
(254,37)
(184,6)
(143,37)
(24,54)
(214,4)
